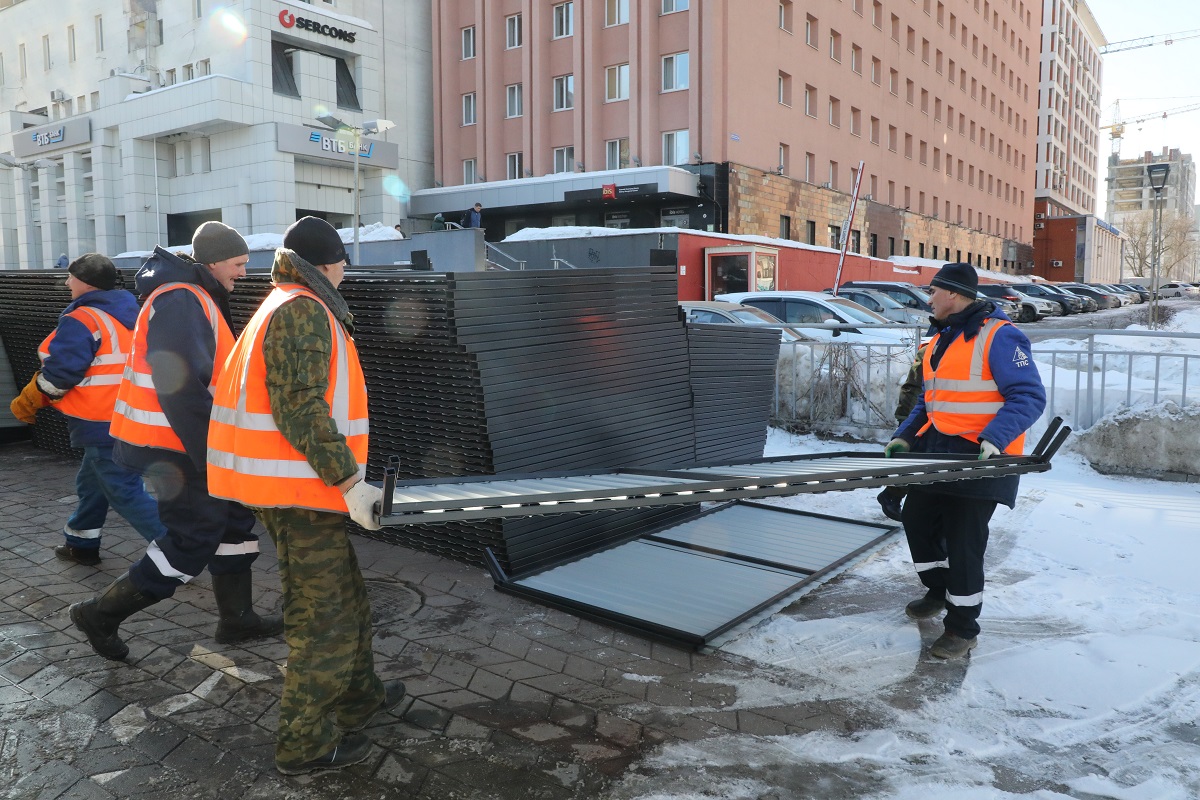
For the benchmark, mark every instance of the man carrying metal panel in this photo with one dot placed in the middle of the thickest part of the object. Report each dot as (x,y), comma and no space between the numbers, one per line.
(981,394)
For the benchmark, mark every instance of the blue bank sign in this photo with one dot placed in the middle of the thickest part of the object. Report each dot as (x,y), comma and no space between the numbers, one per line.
(303,141)
(35,142)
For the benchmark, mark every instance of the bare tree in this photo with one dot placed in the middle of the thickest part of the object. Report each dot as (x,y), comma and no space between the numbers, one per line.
(1178,245)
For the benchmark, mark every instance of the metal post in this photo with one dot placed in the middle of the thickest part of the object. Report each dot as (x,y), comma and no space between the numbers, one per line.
(357,147)
(1153,258)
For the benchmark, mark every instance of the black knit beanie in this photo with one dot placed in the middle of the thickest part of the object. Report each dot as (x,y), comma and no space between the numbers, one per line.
(958,277)
(94,270)
(315,240)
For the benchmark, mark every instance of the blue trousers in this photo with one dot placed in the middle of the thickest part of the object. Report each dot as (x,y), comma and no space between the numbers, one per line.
(100,484)
(202,531)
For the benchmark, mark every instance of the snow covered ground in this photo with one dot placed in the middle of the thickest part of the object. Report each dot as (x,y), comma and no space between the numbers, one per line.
(1085,684)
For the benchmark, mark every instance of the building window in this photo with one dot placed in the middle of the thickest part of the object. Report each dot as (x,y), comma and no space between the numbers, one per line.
(855,241)
(616,153)
(468,43)
(283,80)
(856,58)
(169,80)
(785,160)
(855,122)
(810,231)
(512,31)
(874,130)
(616,83)
(785,89)
(835,46)
(468,108)
(564,20)
(810,168)
(894,82)
(835,237)
(469,174)
(785,15)
(347,91)
(877,14)
(876,71)
(46,53)
(671,6)
(874,245)
(564,159)
(833,175)
(810,101)
(189,73)
(616,12)
(514,100)
(99,33)
(785,226)
(515,165)
(810,30)
(675,72)
(675,148)
(198,9)
(71,43)
(564,92)
(835,112)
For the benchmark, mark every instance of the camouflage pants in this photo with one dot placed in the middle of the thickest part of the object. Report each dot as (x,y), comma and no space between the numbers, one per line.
(331,680)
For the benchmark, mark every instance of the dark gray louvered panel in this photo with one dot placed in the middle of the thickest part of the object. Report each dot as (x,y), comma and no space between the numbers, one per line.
(694,580)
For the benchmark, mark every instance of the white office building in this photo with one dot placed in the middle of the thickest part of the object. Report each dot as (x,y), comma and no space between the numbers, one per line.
(126,123)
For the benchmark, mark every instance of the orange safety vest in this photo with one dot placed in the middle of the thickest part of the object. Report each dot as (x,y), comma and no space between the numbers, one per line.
(93,397)
(249,460)
(961,397)
(138,417)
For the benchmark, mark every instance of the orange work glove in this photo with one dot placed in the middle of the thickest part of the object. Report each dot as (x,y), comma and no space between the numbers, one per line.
(25,405)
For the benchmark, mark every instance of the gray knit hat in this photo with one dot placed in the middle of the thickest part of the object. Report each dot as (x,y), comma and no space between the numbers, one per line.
(216,241)
(94,269)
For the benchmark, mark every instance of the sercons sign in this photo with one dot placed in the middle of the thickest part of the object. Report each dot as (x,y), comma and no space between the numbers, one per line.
(289,20)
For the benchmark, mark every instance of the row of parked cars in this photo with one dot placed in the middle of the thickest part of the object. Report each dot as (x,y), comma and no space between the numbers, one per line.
(877,303)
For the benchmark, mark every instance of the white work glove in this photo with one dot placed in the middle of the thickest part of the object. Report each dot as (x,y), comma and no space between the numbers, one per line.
(360,501)
(987,450)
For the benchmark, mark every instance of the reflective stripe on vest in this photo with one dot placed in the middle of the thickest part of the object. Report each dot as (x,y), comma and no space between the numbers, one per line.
(249,460)
(138,417)
(961,397)
(94,397)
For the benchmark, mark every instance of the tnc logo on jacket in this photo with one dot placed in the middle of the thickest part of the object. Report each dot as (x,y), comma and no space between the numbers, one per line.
(1021,358)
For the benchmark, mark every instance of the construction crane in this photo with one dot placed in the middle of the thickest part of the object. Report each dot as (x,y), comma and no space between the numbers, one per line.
(1148,41)
(1117,128)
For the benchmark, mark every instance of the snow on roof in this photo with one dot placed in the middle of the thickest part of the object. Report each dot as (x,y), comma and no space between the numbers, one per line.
(375,232)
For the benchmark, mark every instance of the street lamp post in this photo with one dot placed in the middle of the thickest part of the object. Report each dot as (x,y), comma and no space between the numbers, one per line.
(1157,175)
(372,126)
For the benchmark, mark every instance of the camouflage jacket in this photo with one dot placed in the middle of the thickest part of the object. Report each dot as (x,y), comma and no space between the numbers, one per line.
(297,347)
(912,388)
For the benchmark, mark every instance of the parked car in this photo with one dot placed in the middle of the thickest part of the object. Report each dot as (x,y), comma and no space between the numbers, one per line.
(1089,303)
(905,294)
(1178,289)
(883,305)
(1124,295)
(817,308)
(718,313)
(1070,304)
(1141,291)
(1011,308)
(1032,308)
(1104,299)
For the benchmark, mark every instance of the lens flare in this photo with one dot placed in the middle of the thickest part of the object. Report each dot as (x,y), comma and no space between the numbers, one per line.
(397,188)
(228,25)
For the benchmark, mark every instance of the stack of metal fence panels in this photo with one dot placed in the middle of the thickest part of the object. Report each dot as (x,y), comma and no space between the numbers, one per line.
(732,371)
(494,373)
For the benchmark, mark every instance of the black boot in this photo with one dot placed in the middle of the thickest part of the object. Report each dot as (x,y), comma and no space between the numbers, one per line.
(238,621)
(100,617)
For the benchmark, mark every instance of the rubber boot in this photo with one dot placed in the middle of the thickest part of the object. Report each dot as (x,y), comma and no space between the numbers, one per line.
(238,621)
(100,617)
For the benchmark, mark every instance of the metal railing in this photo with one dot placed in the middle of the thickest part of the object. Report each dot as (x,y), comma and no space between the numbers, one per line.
(835,387)
(491,250)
